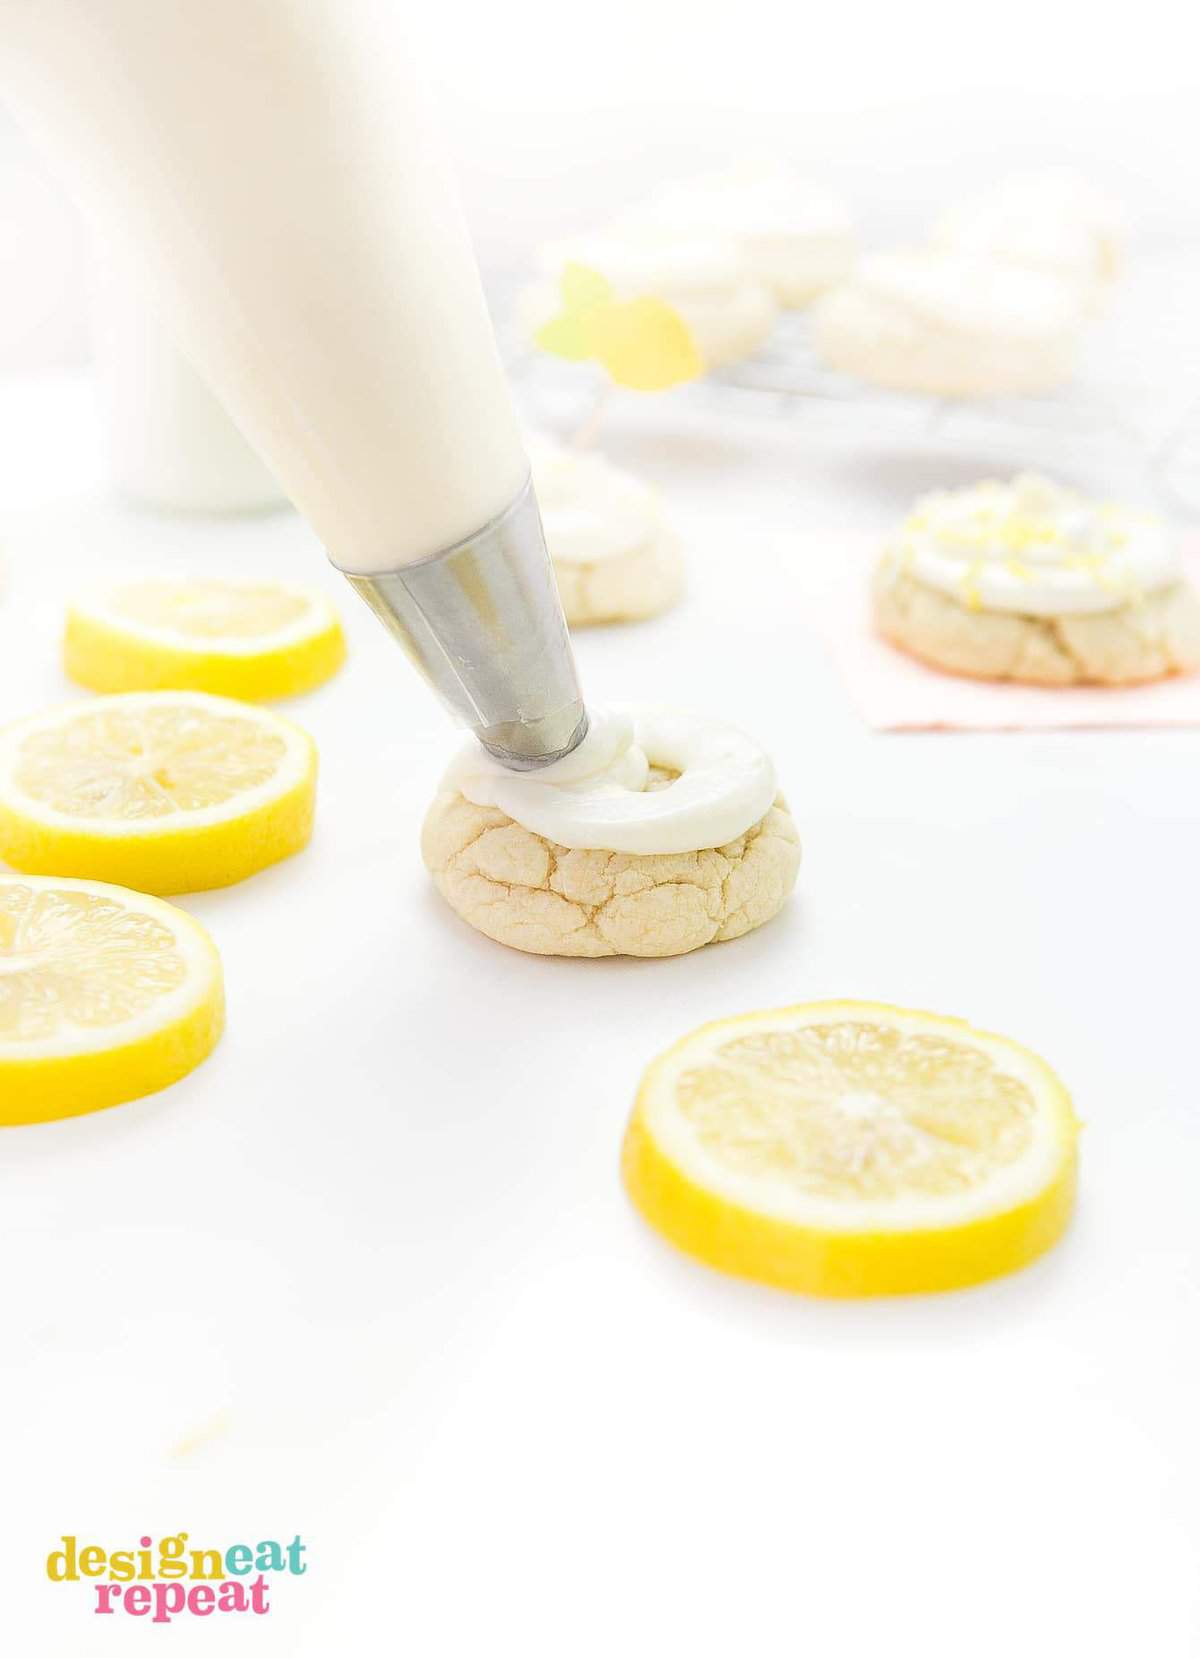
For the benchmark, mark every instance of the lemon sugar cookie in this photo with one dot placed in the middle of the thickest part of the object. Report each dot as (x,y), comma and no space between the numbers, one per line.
(1029,581)
(727,309)
(661,832)
(1054,221)
(615,558)
(105,995)
(948,324)
(851,1149)
(165,791)
(250,639)
(795,237)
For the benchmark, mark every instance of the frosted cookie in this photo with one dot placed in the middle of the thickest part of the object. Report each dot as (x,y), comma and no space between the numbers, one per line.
(949,325)
(1028,581)
(661,832)
(727,309)
(1055,222)
(794,237)
(614,557)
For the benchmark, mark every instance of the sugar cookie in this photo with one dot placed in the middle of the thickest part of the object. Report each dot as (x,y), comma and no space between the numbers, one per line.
(661,832)
(615,558)
(948,324)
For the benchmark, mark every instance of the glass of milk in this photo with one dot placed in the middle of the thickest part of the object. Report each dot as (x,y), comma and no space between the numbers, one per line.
(171,444)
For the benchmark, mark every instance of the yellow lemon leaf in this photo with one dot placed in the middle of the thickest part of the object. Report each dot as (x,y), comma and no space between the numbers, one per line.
(564,336)
(582,288)
(643,344)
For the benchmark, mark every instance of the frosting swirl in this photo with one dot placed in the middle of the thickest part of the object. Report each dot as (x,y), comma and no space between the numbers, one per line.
(596,796)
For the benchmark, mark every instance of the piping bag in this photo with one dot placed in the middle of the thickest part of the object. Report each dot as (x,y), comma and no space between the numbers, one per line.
(271,168)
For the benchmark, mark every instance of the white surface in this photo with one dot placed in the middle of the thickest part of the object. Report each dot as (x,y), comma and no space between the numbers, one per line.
(382,1228)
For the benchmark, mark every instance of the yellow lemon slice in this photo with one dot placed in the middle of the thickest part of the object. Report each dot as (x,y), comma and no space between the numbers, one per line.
(847,1148)
(249,639)
(166,791)
(105,995)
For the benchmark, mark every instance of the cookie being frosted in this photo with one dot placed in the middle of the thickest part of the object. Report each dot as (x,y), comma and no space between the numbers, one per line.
(1030,581)
(615,557)
(948,324)
(661,832)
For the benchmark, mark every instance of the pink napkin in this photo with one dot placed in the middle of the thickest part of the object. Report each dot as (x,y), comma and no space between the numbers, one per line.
(893,692)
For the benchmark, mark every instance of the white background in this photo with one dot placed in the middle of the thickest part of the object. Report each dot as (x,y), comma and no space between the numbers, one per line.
(370,1276)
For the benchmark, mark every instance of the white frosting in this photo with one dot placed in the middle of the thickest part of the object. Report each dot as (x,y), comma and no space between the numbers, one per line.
(596,797)
(1053,221)
(642,261)
(793,235)
(967,294)
(591,510)
(1033,547)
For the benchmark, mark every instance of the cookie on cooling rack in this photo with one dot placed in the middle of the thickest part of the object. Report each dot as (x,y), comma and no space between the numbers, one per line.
(794,237)
(1054,221)
(704,278)
(948,324)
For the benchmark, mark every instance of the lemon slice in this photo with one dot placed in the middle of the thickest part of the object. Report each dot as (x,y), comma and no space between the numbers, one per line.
(247,639)
(166,791)
(105,995)
(847,1148)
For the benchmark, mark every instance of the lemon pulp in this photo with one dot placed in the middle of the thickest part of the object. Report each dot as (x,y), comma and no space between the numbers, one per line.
(857,1110)
(146,761)
(210,609)
(245,639)
(105,995)
(163,791)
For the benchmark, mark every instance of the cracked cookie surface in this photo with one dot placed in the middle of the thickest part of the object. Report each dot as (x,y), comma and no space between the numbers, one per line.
(1130,645)
(534,895)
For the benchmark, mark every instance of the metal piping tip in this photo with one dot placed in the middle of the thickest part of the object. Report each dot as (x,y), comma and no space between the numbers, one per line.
(483,623)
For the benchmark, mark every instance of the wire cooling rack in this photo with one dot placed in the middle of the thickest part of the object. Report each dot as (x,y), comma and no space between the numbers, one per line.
(1137,398)
(1158,427)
